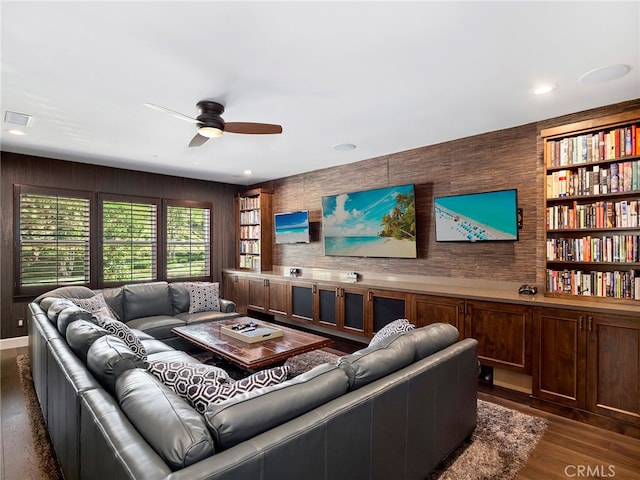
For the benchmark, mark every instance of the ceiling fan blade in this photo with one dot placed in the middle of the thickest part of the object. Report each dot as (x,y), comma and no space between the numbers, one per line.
(252,128)
(197,140)
(171,112)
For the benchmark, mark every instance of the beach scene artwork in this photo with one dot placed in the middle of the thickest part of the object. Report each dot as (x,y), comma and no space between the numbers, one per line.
(489,216)
(292,227)
(372,223)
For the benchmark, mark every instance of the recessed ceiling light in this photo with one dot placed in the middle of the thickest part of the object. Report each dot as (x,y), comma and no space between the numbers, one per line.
(248,172)
(344,146)
(13,131)
(604,74)
(544,89)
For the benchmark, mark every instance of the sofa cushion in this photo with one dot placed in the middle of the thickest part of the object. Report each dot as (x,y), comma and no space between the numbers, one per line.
(204,297)
(401,325)
(70,315)
(57,306)
(175,431)
(171,355)
(178,376)
(179,296)
(206,392)
(374,362)
(108,357)
(146,300)
(114,297)
(246,415)
(191,318)
(71,291)
(121,330)
(80,336)
(432,338)
(158,327)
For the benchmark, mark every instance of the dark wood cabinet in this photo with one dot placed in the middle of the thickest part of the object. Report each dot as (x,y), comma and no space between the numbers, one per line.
(588,361)
(234,288)
(268,296)
(428,309)
(503,332)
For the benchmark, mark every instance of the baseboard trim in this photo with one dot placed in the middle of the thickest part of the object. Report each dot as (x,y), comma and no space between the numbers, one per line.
(16,342)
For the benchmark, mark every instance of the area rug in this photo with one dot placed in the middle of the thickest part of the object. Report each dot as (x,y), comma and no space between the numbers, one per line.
(497,450)
(47,463)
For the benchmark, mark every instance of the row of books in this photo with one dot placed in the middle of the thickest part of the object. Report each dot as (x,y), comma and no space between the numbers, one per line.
(623,285)
(618,177)
(247,203)
(603,214)
(250,261)
(609,248)
(250,216)
(594,147)
(249,246)
(250,232)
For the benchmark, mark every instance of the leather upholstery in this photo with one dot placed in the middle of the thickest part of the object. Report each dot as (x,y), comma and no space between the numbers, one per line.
(146,300)
(69,315)
(181,438)
(109,356)
(80,336)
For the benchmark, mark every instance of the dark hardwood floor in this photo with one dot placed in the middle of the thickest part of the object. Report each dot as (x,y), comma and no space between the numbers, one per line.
(569,449)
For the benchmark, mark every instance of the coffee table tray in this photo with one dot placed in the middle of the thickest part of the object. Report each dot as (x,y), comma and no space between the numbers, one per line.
(259,333)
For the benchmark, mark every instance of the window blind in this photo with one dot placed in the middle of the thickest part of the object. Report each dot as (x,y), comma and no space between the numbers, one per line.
(54,240)
(188,242)
(130,243)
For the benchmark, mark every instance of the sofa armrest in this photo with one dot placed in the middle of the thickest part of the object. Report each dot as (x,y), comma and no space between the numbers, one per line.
(227,306)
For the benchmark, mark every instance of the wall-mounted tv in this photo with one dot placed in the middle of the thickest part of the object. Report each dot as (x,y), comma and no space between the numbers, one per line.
(371,223)
(477,217)
(292,227)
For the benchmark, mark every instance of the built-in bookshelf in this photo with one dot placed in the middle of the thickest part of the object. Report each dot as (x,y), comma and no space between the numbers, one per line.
(254,232)
(592,200)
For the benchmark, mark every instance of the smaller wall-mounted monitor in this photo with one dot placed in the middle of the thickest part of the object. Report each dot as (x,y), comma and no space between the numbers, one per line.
(292,227)
(477,217)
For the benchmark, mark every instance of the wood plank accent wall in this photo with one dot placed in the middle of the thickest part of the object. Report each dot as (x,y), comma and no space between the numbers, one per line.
(29,170)
(510,158)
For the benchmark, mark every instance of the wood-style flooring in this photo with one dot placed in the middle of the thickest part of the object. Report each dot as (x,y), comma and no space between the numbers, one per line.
(568,450)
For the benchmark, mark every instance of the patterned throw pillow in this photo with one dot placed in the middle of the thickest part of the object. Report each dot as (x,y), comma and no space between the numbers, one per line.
(178,376)
(120,330)
(203,394)
(401,325)
(95,304)
(204,297)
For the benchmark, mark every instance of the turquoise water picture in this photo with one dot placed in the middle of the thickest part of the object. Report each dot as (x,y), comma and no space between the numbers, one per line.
(371,223)
(477,217)
(292,227)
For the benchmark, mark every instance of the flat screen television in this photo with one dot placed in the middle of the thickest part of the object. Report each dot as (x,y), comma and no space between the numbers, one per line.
(292,227)
(477,217)
(370,223)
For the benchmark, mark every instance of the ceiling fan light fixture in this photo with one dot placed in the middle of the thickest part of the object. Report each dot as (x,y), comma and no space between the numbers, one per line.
(209,132)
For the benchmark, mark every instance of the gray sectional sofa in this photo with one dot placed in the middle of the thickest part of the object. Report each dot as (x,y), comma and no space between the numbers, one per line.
(391,410)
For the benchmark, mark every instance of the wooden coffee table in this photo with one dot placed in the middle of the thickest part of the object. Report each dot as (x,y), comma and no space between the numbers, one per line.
(251,356)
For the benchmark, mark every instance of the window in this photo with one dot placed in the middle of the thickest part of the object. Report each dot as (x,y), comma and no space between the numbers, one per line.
(129,239)
(188,240)
(53,238)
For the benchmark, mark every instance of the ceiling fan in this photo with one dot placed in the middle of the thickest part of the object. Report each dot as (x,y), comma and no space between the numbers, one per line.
(210,123)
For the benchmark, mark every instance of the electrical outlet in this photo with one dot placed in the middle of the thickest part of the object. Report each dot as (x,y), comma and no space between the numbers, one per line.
(20,322)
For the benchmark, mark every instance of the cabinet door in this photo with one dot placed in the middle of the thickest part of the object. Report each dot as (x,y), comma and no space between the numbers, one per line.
(503,332)
(235,289)
(351,309)
(559,356)
(326,308)
(257,294)
(278,297)
(303,301)
(384,307)
(428,309)
(613,366)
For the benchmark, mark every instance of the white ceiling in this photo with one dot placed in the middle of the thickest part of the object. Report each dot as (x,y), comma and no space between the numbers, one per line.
(385,76)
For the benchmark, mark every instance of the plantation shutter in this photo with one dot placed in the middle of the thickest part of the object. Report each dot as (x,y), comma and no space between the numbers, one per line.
(54,239)
(129,240)
(188,242)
